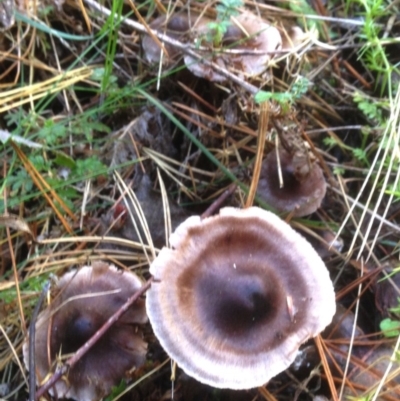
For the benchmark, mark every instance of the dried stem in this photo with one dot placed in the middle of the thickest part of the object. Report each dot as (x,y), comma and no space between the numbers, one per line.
(262,134)
(219,201)
(32,335)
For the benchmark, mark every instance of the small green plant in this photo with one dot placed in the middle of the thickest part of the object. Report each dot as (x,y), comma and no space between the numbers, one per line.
(390,328)
(365,398)
(396,309)
(285,99)
(225,10)
(303,8)
(373,110)
(51,132)
(116,391)
(32,284)
(111,28)
(373,51)
(59,171)
(338,170)
(359,153)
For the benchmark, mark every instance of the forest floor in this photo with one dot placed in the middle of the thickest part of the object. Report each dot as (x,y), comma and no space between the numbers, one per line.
(91,113)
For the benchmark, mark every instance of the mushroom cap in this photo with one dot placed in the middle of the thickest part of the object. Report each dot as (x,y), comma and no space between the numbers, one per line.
(236,296)
(302,197)
(86,299)
(293,37)
(262,37)
(176,26)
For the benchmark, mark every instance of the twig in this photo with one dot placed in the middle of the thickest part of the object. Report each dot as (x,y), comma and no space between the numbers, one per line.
(85,347)
(219,201)
(32,335)
(262,134)
(325,364)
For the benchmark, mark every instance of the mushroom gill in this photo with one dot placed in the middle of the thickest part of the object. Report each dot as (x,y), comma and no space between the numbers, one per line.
(236,296)
(84,300)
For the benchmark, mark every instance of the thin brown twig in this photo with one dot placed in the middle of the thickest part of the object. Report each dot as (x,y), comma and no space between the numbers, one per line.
(356,74)
(32,335)
(60,371)
(262,134)
(218,202)
(325,364)
(16,279)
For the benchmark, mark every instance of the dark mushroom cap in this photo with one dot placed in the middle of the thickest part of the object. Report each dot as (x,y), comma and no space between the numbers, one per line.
(302,197)
(86,299)
(237,295)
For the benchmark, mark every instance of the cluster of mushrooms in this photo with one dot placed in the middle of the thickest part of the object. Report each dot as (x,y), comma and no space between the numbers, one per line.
(232,300)
(233,297)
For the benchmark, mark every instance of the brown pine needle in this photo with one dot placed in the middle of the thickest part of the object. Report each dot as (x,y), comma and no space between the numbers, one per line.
(321,351)
(262,134)
(44,187)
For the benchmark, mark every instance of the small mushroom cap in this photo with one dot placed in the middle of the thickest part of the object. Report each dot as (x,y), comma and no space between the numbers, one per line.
(86,299)
(302,197)
(247,32)
(237,295)
(262,37)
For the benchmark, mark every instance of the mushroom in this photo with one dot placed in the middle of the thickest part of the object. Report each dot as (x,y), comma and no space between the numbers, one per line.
(176,26)
(387,289)
(292,37)
(248,43)
(85,299)
(236,295)
(302,197)
(246,34)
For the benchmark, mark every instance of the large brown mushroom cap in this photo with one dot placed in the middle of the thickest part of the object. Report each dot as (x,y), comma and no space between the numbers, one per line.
(237,295)
(302,197)
(86,299)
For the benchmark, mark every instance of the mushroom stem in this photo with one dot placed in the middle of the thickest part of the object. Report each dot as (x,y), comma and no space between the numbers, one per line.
(86,347)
